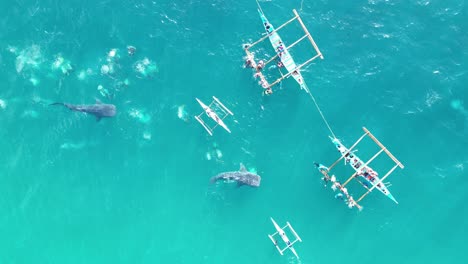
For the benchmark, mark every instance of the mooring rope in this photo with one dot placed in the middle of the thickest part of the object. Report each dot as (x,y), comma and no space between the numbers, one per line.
(321,113)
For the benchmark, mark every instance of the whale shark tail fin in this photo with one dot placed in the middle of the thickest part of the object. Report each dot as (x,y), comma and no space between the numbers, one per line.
(56,103)
(213,179)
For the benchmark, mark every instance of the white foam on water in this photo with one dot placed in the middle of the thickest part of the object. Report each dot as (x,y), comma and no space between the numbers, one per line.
(147,135)
(3,104)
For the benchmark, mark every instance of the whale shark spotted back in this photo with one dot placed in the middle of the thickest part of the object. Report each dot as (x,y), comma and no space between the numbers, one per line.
(99,110)
(242,177)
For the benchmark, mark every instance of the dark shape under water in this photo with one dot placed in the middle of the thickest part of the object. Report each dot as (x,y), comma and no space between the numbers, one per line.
(242,177)
(99,110)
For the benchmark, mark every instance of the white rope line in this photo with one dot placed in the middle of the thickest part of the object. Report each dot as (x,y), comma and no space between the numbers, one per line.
(320,111)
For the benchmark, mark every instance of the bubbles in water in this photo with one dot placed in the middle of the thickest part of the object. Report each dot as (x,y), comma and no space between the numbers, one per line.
(147,135)
(181,113)
(29,58)
(214,153)
(34,81)
(146,68)
(72,146)
(12,49)
(107,69)
(62,65)
(456,104)
(2,104)
(84,74)
(30,114)
(139,115)
(104,92)
(113,56)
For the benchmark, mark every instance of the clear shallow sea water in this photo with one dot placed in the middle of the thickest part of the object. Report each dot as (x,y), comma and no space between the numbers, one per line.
(134,188)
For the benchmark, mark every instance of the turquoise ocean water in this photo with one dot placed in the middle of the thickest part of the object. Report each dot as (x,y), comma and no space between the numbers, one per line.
(135,188)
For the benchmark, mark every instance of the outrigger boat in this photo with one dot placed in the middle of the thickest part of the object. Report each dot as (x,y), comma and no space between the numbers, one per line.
(208,110)
(282,52)
(364,174)
(285,57)
(280,231)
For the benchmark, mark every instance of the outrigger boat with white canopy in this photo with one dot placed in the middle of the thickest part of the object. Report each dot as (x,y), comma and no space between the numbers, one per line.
(280,231)
(364,174)
(282,52)
(214,110)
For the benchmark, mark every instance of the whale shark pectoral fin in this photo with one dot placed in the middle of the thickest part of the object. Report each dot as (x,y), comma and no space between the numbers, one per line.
(239,184)
(98,118)
(98,101)
(242,168)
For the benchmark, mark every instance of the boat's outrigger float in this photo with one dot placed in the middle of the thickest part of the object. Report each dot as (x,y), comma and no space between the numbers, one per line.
(217,112)
(282,54)
(280,231)
(364,174)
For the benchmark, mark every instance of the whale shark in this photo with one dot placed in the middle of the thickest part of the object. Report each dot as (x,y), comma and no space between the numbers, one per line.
(242,177)
(99,110)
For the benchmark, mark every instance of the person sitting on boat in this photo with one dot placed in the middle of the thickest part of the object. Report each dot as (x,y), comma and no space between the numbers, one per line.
(212,114)
(347,157)
(357,164)
(280,48)
(280,64)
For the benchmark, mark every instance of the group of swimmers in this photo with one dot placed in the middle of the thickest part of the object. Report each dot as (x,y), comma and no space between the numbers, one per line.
(337,185)
(250,63)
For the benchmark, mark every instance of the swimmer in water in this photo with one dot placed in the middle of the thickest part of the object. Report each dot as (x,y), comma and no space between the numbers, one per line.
(131,50)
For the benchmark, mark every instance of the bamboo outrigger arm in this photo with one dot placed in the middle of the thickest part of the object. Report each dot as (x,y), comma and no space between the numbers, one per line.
(383,147)
(308,34)
(289,47)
